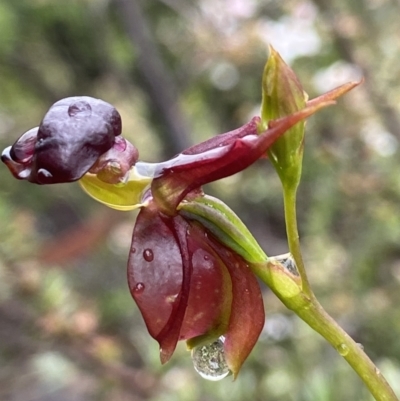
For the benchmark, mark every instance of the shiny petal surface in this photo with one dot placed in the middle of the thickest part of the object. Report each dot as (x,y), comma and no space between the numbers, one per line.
(247,314)
(177,177)
(155,273)
(210,298)
(72,135)
(181,286)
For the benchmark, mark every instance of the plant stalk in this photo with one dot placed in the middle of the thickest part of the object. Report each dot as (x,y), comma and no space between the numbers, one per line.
(307,307)
(289,200)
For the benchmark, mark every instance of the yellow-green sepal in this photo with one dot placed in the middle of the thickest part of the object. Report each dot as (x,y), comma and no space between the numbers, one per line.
(123,196)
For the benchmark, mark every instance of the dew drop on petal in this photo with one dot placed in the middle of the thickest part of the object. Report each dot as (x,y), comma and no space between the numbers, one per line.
(209,360)
(171,298)
(44,176)
(133,250)
(81,108)
(148,255)
(139,288)
(45,173)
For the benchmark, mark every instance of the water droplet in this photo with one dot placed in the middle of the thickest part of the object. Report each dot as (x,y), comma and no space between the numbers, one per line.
(287,261)
(45,173)
(139,288)
(206,257)
(171,298)
(343,349)
(133,250)
(81,108)
(377,371)
(148,255)
(360,346)
(209,360)
(44,176)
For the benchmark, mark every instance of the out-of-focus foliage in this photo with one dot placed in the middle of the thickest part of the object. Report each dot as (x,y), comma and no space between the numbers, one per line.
(180,71)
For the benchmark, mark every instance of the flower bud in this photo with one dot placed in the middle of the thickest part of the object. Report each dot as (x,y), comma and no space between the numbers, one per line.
(282,95)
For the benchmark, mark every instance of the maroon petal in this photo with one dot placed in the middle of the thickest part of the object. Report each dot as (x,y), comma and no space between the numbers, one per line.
(154,270)
(247,314)
(180,284)
(210,299)
(159,272)
(225,139)
(190,170)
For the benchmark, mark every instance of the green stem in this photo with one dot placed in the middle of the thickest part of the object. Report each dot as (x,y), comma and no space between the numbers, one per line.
(310,311)
(317,318)
(307,307)
(289,199)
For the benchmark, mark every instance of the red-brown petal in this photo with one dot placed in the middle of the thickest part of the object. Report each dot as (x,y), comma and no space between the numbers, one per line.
(177,177)
(154,270)
(247,314)
(210,298)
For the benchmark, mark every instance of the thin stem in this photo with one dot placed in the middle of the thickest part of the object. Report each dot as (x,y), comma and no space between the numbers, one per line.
(307,307)
(317,318)
(310,311)
(289,199)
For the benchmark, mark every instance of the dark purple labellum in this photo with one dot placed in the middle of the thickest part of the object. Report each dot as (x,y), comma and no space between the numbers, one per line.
(72,136)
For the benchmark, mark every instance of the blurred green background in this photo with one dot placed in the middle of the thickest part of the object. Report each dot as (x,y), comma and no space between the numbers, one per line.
(180,71)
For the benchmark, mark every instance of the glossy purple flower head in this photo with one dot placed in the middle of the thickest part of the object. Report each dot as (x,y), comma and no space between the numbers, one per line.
(73,134)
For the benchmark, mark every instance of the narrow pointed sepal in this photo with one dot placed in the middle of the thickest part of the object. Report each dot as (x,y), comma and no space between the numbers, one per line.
(177,177)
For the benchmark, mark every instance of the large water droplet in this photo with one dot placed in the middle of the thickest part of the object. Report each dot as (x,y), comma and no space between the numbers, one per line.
(343,349)
(209,360)
(148,255)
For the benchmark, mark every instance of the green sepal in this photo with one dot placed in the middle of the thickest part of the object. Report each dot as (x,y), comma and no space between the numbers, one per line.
(222,222)
(282,95)
(122,196)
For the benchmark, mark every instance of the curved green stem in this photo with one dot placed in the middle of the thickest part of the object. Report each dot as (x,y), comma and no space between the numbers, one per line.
(307,307)
(289,199)
(317,318)
(310,311)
